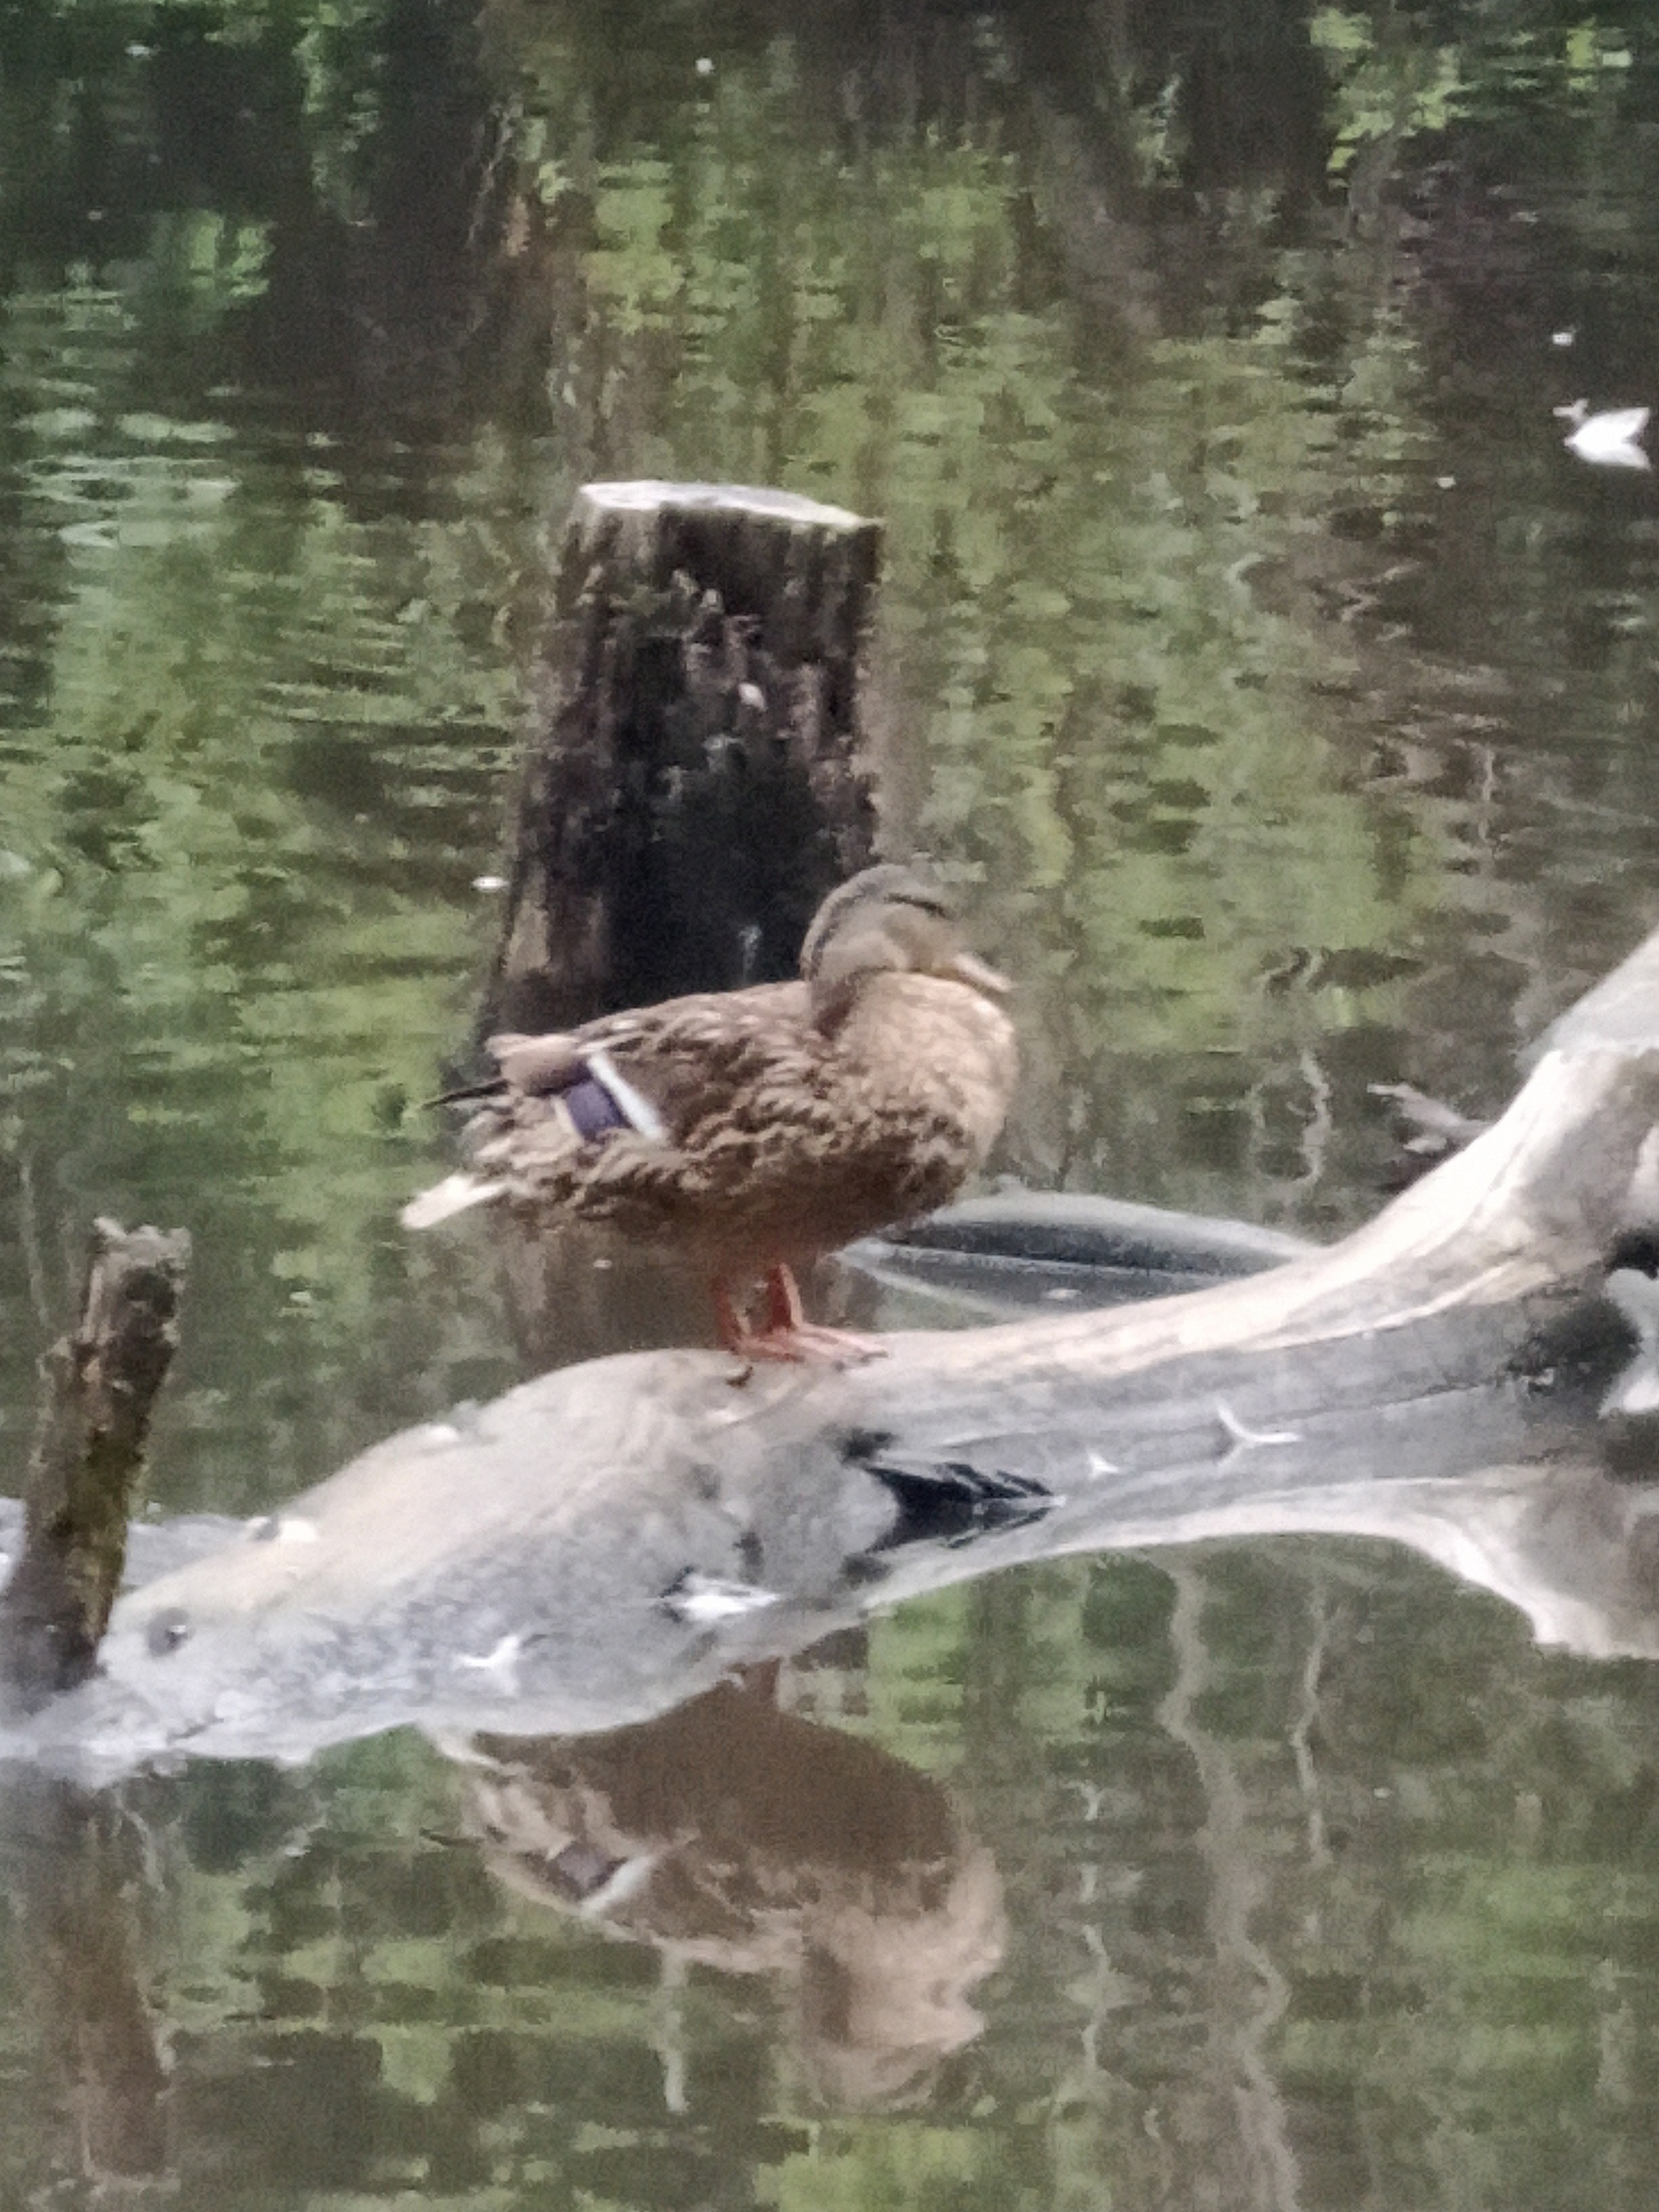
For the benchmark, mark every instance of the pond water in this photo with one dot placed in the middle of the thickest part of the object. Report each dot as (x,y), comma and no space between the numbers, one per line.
(1282,691)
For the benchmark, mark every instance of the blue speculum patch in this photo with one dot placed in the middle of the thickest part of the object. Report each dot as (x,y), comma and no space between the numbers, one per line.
(592,1109)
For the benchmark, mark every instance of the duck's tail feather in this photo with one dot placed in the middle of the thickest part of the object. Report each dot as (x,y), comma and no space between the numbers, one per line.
(491,1086)
(453,1195)
(1635,1391)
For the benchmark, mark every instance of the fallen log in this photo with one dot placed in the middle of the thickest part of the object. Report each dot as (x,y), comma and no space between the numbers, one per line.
(1020,1251)
(605,1542)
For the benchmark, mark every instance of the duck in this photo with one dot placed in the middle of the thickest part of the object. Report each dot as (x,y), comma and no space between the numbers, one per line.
(748,1132)
(1608,439)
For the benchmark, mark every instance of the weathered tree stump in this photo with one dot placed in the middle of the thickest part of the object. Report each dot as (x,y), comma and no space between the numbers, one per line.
(695,781)
(86,1476)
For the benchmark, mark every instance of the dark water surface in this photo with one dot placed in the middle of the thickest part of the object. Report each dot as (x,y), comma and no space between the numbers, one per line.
(1285,695)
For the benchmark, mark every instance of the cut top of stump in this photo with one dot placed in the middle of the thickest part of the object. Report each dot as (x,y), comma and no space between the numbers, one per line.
(804,572)
(650,494)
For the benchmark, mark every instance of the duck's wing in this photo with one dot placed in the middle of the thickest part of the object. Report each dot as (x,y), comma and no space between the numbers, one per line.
(736,1087)
(705,1057)
(660,1075)
(660,1072)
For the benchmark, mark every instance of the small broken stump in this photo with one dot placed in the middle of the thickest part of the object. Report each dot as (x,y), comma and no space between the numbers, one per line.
(85,1475)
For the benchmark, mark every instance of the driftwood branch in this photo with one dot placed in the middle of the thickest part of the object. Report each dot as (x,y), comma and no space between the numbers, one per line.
(86,1476)
(65,1852)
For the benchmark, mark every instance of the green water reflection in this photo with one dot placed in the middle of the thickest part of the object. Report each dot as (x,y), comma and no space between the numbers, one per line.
(1283,692)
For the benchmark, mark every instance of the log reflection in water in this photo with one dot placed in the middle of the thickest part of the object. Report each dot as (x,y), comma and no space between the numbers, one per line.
(74,1868)
(731,1835)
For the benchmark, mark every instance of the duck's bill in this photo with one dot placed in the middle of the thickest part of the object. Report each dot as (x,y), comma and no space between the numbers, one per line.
(981,977)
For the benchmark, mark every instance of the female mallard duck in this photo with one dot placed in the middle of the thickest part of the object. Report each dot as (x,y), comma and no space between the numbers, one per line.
(751,1130)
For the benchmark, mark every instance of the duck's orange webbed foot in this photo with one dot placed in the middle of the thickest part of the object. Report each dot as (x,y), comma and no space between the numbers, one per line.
(788,1336)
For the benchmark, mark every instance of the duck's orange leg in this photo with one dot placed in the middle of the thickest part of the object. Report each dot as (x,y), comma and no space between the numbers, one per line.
(788,1335)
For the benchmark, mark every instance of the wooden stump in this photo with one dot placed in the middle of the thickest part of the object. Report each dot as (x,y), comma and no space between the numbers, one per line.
(695,782)
(84,1480)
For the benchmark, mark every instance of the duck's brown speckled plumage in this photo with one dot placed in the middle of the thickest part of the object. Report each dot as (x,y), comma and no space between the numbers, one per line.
(795,1116)
(782,1141)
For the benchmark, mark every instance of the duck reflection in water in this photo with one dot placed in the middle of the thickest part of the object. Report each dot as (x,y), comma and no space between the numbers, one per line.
(732,1835)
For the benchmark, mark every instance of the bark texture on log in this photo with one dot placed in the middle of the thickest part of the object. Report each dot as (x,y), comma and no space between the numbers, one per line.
(695,782)
(86,1476)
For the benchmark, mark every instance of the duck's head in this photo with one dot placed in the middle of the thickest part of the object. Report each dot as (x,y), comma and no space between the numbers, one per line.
(889,920)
